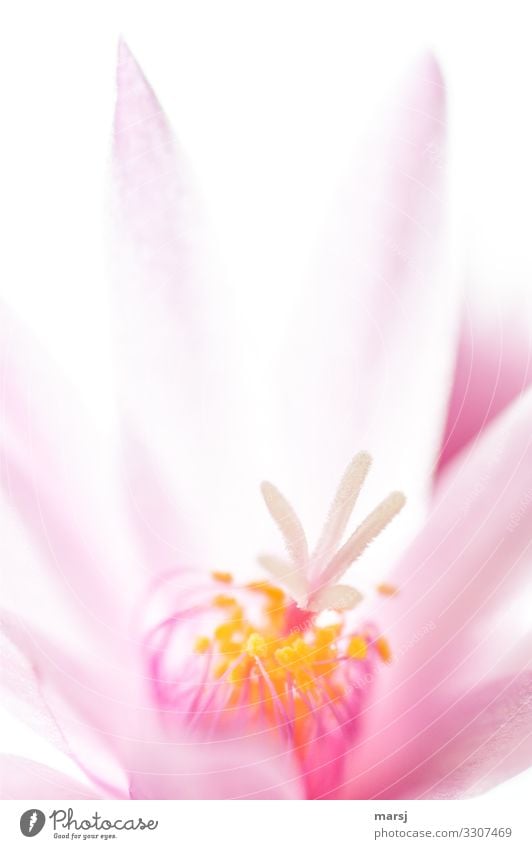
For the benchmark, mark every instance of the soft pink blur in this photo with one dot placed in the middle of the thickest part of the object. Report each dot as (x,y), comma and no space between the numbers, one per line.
(89,529)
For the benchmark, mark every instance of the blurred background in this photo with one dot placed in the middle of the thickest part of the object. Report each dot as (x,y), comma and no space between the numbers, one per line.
(270,102)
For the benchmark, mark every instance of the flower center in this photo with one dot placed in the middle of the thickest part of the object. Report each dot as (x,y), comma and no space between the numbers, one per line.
(267,662)
(248,657)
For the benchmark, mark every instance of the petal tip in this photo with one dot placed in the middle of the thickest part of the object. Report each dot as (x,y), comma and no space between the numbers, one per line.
(430,69)
(428,81)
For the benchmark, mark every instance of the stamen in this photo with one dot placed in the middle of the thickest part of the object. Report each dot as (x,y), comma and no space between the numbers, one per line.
(202,645)
(276,701)
(291,680)
(387,589)
(257,658)
(256,645)
(223,577)
(383,647)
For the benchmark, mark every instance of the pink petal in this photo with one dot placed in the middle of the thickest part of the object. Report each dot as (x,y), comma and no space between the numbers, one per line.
(128,747)
(237,767)
(485,739)
(370,345)
(460,619)
(24,779)
(185,432)
(64,533)
(83,705)
(70,567)
(493,366)
(463,747)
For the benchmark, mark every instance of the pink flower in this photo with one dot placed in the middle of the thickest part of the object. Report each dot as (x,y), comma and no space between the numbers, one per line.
(147,642)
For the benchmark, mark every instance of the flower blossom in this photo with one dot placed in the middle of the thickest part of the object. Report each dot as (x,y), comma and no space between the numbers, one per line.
(159,628)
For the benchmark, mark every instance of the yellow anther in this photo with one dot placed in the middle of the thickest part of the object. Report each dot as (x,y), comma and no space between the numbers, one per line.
(304,680)
(224,601)
(387,589)
(383,647)
(304,668)
(221,668)
(326,636)
(227,630)
(256,645)
(230,647)
(275,594)
(202,645)
(285,655)
(357,648)
(223,577)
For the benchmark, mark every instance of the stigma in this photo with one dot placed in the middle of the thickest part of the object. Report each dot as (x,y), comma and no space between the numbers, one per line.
(312,578)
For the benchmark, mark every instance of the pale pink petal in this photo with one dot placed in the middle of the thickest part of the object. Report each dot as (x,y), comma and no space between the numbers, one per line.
(24,779)
(485,739)
(83,704)
(336,597)
(64,532)
(21,695)
(69,570)
(237,767)
(177,367)
(493,366)
(461,615)
(463,747)
(371,341)
(287,574)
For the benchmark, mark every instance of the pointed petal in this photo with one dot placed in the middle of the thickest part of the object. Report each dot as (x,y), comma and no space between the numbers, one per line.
(71,569)
(178,395)
(461,616)
(371,344)
(24,779)
(493,367)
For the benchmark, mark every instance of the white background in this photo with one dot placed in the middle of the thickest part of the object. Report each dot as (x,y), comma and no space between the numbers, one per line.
(269,100)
